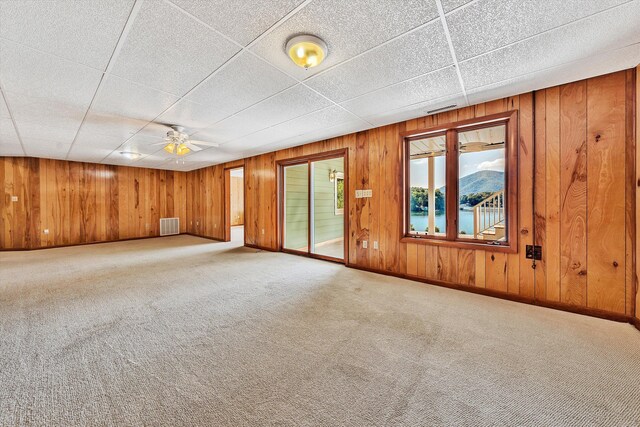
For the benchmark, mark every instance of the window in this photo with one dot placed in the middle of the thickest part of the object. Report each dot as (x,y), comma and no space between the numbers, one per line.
(461,182)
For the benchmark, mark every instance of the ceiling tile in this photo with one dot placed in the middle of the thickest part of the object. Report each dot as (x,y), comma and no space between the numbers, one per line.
(190,115)
(169,51)
(409,56)
(89,140)
(142,144)
(321,119)
(240,84)
(487,25)
(420,89)
(86,153)
(616,28)
(604,63)
(47,149)
(4,111)
(449,5)
(420,109)
(29,111)
(82,31)
(318,135)
(39,75)
(112,125)
(9,142)
(291,103)
(124,98)
(241,20)
(348,28)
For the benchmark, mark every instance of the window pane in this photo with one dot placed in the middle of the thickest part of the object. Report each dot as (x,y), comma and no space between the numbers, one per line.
(296,207)
(481,184)
(427,180)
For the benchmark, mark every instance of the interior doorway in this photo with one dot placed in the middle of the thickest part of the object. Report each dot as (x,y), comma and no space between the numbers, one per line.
(234,205)
(313,204)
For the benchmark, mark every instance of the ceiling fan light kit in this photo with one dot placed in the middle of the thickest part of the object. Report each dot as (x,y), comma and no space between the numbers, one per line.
(306,51)
(179,143)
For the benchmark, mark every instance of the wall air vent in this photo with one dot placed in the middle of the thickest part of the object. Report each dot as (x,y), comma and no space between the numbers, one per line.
(437,110)
(169,226)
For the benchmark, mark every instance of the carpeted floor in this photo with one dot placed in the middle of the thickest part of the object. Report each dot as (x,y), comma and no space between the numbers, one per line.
(185,331)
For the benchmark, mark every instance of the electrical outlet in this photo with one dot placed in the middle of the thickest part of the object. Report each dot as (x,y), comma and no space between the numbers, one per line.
(375,244)
(14,198)
(263,231)
(45,231)
(364,244)
(358,194)
(367,193)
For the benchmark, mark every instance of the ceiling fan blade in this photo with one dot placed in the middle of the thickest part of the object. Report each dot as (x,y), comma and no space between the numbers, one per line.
(204,143)
(192,147)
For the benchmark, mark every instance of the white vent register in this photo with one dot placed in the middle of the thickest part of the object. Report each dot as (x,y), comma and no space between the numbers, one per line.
(169,226)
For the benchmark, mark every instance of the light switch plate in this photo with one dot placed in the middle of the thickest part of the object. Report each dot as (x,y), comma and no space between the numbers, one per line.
(364,244)
(14,198)
(368,193)
(358,194)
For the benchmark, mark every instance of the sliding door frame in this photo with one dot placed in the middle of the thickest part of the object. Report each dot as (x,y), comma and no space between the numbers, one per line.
(308,160)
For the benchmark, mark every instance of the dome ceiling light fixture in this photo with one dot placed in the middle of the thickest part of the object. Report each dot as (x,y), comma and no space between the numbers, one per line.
(306,51)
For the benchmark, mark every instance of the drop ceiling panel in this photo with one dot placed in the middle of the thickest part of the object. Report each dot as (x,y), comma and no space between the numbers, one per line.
(111,124)
(318,135)
(9,142)
(321,119)
(35,74)
(486,25)
(616,28)
(87,153)
(45,148)
(167,50)
(82,31)
(241,20)
(420,89)
(125,98)
(419,109)
(409,56)
(348,28)
(142,144)
(605,63)
(240,84)
(449,5)
(29,112)
(291,103)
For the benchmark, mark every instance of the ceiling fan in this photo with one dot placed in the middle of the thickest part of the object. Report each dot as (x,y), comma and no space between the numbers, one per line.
(178,142)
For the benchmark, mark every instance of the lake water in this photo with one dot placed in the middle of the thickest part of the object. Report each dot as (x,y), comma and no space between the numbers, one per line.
(420,222)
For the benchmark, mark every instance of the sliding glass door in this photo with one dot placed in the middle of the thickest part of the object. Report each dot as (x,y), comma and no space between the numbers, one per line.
(313,205)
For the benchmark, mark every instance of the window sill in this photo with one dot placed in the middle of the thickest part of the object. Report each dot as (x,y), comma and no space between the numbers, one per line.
(511,248)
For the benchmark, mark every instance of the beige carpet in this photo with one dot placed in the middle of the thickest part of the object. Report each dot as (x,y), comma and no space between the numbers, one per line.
(186,331)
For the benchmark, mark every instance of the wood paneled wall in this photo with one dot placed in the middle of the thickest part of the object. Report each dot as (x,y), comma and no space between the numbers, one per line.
(577,184)
(84,202)
(576,199)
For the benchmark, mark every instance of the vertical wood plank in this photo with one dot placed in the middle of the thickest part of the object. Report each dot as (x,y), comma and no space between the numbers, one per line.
(553,201)
(606,217)
(573,193)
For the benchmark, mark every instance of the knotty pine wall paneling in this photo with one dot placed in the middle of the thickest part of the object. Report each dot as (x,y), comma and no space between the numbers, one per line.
(576,178)
(84,202)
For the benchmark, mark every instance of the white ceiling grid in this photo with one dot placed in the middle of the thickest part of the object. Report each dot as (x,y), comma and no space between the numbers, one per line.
(86,80)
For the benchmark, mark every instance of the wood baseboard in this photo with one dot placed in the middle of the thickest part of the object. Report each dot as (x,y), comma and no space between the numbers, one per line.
(636,323)
(84,243)
(510,297)
(262,248)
